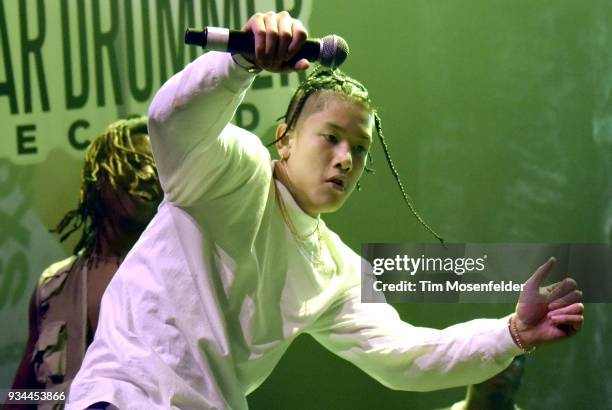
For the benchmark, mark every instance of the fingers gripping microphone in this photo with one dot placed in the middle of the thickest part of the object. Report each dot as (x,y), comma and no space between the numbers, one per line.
(330,51)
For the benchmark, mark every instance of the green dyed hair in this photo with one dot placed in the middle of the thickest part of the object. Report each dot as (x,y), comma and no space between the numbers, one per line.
(325,79)
(108,158)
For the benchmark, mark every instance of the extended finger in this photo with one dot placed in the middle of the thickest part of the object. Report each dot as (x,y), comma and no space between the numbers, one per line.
(561,289)
(271,22)
(574,296)
(573,309)
(285,33)
(298,37)
(541,273)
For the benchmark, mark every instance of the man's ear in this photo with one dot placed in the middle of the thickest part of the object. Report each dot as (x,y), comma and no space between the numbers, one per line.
(283,146)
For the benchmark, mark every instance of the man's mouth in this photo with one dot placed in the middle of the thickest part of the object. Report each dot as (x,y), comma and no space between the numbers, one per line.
(337,183)
(143,195)
(146,195)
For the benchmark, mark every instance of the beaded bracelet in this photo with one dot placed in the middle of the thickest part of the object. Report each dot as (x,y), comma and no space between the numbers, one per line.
(515,336)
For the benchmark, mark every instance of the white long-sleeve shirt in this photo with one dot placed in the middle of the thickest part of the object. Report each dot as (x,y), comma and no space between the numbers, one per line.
(217,287)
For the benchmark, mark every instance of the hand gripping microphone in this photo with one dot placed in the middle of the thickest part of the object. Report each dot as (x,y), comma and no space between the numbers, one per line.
(330,51)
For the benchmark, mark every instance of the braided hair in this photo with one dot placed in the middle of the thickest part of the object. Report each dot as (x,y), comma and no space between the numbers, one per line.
(334,80)
(111,156)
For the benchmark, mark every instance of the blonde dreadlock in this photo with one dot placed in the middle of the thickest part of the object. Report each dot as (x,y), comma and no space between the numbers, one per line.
(111,156)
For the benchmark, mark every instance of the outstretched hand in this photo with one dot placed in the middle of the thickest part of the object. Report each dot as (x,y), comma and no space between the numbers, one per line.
(548,314)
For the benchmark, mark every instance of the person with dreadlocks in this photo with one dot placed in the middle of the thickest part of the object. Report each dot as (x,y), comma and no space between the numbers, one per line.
(237,262)
(119,195)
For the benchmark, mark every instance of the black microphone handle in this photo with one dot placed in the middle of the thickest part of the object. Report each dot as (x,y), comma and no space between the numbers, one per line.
(241,42)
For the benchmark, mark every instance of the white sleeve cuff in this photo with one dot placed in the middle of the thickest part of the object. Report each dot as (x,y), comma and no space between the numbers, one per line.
(245,64)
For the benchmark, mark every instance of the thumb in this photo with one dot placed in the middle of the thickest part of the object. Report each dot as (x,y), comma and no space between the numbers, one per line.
(301,65)
(541,273)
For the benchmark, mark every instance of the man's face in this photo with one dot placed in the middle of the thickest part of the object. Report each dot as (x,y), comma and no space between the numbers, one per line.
(135,200)
(326,151)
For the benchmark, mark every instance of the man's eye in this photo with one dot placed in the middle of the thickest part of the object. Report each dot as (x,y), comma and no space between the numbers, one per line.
(136,165)
(361,149)
(331,138)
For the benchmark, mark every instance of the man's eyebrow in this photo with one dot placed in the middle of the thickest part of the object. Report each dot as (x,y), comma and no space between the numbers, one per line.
(339,128)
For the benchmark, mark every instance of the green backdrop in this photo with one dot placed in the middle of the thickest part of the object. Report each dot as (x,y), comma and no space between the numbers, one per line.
(499,117)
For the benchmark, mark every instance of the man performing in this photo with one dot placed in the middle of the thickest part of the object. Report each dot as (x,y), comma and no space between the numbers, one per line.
(119,195)
(238,262)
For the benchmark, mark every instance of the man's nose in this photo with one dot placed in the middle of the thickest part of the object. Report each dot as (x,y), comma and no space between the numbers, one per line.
(149,172)
(344,159)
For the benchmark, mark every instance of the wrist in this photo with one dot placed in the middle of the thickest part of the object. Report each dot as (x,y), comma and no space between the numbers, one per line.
(519,332)
(245,63)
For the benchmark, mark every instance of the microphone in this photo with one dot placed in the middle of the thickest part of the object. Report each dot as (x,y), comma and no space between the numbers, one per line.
(330,51)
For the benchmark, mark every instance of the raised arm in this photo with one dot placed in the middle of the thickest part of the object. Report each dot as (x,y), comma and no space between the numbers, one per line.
(186,120)
(193,142)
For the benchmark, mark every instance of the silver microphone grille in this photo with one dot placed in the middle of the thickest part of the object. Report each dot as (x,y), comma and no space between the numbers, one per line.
(334,51)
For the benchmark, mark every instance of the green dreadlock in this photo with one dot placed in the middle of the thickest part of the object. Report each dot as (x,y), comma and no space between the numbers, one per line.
(110,156)
(325,79)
